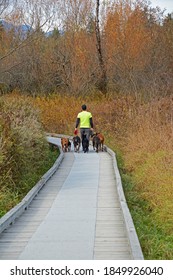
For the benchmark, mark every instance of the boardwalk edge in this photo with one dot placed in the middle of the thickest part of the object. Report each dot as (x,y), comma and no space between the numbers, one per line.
(133,238)
(17,210)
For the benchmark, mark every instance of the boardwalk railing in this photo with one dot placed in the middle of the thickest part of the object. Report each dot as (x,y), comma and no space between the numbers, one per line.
(17,211)
(133,238)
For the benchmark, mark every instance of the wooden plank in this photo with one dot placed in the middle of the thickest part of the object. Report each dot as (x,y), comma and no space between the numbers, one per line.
(14,239)
(111,241)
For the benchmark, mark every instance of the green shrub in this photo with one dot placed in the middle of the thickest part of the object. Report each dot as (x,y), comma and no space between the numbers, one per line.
(24,151)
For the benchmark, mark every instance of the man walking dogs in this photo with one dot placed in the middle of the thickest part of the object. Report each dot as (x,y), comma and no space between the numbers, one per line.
(84,120)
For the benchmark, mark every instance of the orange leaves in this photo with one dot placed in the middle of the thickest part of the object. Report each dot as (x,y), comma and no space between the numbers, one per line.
(128,37)
(137,37)
(113,33)
(83,51)
(58,113)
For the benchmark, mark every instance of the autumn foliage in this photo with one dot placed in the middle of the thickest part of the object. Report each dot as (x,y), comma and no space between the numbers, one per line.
(136,52)
(50,77)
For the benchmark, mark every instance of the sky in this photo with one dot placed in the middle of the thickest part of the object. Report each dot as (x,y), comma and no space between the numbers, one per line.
(167,4)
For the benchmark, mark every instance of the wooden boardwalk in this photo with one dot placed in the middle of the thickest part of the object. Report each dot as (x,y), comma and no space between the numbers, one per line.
(80,213)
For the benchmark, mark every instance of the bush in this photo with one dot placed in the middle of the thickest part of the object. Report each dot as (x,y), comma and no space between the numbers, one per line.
(24,151)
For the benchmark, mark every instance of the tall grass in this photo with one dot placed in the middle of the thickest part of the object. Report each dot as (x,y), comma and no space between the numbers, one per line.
(24,151)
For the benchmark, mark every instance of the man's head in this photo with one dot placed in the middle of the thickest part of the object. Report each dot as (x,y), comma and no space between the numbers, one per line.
(84,107)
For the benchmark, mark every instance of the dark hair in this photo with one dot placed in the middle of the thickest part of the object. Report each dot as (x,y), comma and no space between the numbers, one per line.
(84,107)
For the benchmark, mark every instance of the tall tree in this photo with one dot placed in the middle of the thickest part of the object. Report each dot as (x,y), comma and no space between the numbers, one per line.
(103,76)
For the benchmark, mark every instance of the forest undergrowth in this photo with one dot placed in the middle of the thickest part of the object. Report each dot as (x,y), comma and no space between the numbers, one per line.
(24,152)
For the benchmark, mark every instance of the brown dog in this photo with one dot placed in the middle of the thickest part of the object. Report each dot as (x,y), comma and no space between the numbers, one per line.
(102,139)
(65,144)
(98,141)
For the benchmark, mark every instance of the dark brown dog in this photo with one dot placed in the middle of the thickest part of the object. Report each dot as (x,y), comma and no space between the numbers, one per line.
(65,144)
(76,143)
(98,141)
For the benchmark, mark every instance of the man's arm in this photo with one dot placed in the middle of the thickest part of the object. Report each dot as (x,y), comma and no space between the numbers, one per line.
(91,122)
(77,122)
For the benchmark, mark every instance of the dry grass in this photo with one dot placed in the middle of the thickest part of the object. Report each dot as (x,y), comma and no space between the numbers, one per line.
(149,157)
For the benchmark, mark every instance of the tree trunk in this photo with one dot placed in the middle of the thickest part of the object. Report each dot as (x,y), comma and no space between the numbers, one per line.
(103,76)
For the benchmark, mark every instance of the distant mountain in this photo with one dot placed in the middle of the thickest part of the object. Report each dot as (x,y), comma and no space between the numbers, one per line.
(51,32)
(21,29)
(7,26)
